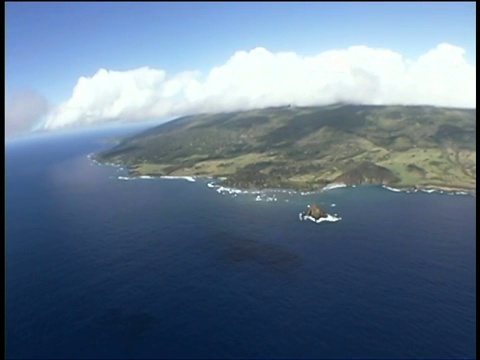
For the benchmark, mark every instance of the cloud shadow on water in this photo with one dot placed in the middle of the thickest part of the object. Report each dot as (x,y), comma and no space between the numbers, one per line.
(272,257)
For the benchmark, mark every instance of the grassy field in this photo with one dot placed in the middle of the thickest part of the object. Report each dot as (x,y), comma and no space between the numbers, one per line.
(307,148)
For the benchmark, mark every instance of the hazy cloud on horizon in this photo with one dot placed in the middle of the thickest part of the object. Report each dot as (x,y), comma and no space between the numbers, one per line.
(259,78)
(24,111)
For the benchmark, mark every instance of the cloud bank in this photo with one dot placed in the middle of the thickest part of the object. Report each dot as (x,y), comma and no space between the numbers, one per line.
(24,111)
(260,78)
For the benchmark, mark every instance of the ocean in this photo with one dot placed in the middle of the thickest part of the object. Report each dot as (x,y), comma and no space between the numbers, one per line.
(100,267)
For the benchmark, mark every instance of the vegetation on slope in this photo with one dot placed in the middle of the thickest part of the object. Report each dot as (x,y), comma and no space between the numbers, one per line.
(310,147)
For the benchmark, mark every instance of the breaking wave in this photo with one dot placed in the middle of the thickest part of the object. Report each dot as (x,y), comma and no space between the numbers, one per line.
(329,218)
(265,197)
(334,186)
(136,177)
(188,178)
(261,195)
(426,190)
(392,189)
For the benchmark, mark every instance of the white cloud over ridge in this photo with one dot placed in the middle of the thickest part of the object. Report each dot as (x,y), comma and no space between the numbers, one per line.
(260,78)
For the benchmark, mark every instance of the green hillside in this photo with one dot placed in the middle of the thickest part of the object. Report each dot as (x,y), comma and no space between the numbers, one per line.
(309,147)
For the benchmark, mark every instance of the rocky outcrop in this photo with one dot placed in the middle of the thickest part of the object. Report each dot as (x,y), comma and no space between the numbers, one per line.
(316,212)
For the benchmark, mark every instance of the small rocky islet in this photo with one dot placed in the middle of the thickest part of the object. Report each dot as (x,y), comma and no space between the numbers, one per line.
(315,212)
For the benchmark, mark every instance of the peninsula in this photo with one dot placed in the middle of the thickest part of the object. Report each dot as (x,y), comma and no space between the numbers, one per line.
(307,148)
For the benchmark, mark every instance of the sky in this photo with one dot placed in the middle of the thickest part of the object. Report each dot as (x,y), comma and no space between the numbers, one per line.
(79,64)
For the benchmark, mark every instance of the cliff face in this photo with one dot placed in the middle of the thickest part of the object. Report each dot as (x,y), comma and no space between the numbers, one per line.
(367,173)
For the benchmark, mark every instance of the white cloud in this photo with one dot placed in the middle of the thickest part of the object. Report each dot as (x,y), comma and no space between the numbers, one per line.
(24,111)
(260,78)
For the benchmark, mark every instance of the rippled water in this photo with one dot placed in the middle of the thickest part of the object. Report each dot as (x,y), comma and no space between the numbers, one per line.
(97,267)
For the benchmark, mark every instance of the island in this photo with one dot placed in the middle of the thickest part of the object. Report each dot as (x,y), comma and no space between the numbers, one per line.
(308,148)
(316,212)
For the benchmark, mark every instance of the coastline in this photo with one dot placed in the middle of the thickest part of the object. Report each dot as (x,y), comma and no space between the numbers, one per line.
(217,184)
(457,190)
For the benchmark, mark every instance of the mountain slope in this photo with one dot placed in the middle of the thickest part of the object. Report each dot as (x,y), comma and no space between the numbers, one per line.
(309,147)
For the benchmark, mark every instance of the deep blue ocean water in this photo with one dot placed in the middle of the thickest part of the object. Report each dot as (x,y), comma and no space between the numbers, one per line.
(97,267)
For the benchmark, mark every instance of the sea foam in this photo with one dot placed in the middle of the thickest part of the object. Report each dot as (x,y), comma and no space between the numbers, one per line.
(391,188)
(334,186)
(426,190)
(328,218)
(148,177)
(188,178)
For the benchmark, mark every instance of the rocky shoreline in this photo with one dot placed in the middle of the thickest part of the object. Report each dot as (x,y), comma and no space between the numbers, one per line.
(223,182)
